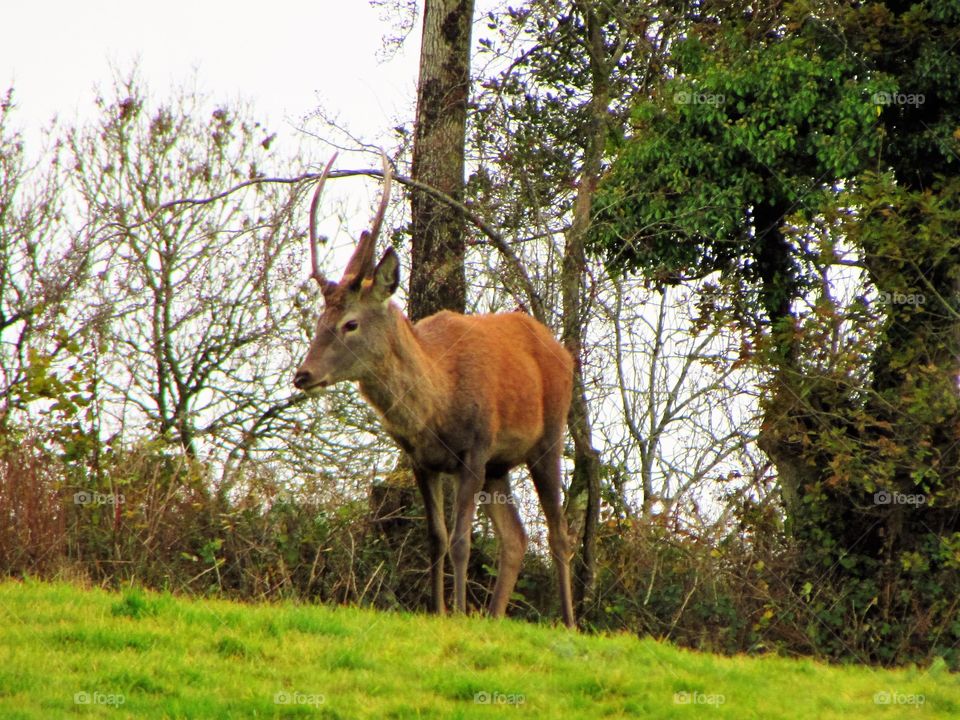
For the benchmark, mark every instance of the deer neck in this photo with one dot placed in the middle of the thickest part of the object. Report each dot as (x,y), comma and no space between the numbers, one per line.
(407,388)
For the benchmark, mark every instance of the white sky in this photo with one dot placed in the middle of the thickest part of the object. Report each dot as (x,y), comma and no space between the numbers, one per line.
(286,57)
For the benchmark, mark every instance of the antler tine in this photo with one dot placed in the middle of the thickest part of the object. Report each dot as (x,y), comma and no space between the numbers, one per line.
(316,274)
(384,198)
(361,262)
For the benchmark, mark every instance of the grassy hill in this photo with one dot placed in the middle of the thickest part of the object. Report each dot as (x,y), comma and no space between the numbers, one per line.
(67,652)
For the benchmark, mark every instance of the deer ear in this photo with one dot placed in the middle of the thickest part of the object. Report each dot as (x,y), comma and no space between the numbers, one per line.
(386,278)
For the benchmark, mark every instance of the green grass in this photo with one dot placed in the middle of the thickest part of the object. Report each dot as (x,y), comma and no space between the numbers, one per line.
(66,651)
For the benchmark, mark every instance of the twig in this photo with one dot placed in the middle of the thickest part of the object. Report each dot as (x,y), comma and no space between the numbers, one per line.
(496,239)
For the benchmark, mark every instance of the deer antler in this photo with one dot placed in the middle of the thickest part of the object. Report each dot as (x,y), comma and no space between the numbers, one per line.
(361,262)
(316,274)
(384,198)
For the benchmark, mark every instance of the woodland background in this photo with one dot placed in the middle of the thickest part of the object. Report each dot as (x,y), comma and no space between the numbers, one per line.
(741,217)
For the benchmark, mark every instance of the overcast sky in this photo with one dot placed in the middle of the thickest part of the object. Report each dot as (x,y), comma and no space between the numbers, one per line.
(285,56)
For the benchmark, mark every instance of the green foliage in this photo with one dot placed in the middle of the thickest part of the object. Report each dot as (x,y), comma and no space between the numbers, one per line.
(776,146)
(738,127)
(878,518)
(61,397)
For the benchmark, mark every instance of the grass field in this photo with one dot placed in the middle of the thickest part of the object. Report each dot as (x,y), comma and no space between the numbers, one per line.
(67,652)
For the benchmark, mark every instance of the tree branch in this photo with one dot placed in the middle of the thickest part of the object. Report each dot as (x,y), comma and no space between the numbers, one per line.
(497,240)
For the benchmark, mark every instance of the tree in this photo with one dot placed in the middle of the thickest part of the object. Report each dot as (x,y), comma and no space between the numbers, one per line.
(197,295)
(758,161)
(443,88)
(675,410)
(44,269)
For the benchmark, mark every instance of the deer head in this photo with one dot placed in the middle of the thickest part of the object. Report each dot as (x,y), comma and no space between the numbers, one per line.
(352,331)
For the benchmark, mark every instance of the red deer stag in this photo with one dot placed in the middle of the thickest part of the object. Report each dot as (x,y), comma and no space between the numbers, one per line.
(470,395)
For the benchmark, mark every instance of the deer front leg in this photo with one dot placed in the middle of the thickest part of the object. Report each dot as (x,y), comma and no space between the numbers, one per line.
(471,483)
(432,491)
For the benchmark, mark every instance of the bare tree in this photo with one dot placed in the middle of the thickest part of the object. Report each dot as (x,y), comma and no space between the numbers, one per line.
(680,413)
(43,267)
(201,294)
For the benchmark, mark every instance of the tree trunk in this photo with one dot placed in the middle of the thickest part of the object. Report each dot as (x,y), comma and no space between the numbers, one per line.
(583,495)
(782,412)
(437,276)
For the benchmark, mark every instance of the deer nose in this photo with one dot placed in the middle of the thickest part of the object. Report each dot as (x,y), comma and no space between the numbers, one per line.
(304,380)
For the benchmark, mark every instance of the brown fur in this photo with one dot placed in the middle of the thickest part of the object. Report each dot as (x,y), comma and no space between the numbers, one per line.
(455,392)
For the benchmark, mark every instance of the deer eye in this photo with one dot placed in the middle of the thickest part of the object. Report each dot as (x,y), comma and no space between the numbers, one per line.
(350,325)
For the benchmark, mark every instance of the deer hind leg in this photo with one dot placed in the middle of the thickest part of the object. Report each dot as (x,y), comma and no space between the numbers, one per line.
(432,491)
(471,483)
(499,504)
(545,472)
